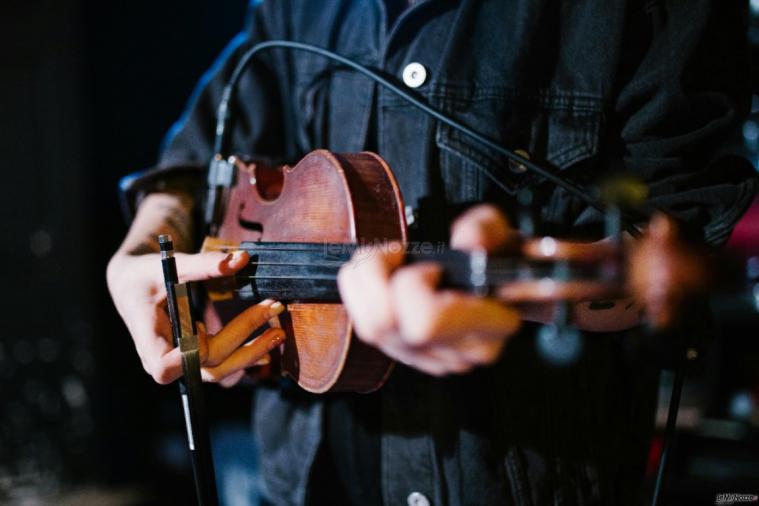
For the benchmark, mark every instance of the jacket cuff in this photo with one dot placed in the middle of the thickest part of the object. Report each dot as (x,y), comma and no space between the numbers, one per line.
(718,230)
(175,178)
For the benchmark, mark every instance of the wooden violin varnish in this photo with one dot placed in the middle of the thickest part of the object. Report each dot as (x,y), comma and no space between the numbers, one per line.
(324,199)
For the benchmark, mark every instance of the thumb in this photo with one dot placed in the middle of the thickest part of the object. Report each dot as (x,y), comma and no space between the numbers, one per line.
(213,264)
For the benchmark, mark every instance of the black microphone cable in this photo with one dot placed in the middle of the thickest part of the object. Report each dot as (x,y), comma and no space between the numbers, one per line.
(225,117)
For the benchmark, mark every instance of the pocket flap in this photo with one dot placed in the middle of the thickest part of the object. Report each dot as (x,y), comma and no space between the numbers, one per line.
(561,136)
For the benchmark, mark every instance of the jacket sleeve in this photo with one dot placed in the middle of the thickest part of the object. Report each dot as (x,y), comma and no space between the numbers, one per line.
(683,90)
(258,129)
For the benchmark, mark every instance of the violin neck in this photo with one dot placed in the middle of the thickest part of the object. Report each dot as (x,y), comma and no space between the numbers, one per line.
(308,271)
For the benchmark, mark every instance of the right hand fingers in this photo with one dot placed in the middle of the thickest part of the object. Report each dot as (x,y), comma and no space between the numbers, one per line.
(214,264)
(248,355)
(224,344)
(164,362)
(159,358)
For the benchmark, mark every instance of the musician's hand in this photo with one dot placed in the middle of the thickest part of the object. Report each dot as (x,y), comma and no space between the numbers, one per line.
(137,287)
(399,309)
(662,271)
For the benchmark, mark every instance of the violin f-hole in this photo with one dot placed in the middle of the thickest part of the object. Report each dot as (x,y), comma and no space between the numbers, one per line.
(268,180)
(252,226)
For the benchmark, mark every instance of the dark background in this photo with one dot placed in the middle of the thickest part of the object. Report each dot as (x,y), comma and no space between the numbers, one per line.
(87,91)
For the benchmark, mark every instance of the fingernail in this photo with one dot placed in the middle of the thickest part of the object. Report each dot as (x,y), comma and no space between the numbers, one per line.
(278,339)
(236,255)
(276,308)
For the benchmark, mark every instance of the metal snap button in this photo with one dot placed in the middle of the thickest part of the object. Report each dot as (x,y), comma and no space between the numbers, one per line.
(410,215)
(516,167)
(417,499)
(414,75)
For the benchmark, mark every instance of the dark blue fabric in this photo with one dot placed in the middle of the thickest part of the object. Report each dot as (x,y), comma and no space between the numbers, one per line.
(590,86)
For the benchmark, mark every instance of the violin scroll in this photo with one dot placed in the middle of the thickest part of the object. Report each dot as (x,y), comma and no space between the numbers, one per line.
(664,270)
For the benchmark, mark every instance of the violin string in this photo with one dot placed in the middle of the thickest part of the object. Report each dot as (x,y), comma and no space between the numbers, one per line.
(515,271)
(518,270)
(495,267)
(515,265)
(499,276)
(526,267)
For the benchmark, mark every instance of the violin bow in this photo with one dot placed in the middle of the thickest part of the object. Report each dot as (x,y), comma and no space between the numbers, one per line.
(190,384)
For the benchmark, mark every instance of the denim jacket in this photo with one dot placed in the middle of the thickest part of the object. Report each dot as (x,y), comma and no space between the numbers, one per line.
(591,86)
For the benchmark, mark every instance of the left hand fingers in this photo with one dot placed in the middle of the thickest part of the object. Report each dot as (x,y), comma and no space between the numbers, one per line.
(438,359)
(443,332)
(483,227)
(425,314)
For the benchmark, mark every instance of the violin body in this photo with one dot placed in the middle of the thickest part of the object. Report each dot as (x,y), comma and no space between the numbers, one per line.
(329,199)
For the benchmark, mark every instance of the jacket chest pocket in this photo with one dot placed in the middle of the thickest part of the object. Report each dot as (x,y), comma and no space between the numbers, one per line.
(562,130)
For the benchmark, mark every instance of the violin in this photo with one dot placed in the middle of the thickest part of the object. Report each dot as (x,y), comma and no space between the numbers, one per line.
(301,223)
